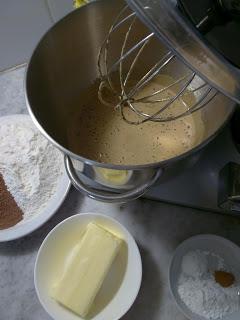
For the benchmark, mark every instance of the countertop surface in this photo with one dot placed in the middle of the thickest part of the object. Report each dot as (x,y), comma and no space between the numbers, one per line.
(157,227)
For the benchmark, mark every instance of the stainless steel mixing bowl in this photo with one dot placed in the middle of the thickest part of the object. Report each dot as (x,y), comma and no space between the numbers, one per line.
(65,62)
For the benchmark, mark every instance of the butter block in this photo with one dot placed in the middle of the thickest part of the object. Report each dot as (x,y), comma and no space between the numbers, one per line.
(113,176)
(85,269)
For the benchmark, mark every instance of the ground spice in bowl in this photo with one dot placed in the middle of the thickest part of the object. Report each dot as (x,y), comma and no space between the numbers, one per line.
(204,288)
(10,213)
(225,279)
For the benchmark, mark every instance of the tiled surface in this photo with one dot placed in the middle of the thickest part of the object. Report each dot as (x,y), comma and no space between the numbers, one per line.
(22,23)
(158,228)
(59,8)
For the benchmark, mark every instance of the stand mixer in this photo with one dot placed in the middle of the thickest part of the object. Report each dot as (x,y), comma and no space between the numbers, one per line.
(193,65)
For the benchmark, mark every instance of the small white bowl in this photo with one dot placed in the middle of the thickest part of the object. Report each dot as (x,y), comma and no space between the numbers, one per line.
(119,289)
(226,249)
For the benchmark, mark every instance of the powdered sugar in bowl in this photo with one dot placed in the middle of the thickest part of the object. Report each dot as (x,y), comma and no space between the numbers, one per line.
(32,175)
(192,281)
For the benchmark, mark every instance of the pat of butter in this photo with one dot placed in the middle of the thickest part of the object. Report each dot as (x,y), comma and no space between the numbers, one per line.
(113,176)
(86,269)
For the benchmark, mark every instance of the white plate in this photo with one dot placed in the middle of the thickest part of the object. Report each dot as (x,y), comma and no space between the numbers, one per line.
(119,289)
(226,249)
(25,227)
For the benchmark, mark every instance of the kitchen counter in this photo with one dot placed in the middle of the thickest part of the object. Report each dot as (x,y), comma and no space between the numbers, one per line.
(157,227)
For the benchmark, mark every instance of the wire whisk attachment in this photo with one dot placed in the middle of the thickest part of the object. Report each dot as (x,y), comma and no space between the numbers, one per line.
(143,79)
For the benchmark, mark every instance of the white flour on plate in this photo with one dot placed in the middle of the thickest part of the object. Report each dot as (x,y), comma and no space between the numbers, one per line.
(30,165)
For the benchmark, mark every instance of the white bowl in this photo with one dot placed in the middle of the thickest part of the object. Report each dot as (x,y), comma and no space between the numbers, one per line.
(119,289)
(229,251)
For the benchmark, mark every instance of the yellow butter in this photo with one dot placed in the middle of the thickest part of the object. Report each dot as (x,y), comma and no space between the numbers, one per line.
(113,176)
(86,268)
(79,3)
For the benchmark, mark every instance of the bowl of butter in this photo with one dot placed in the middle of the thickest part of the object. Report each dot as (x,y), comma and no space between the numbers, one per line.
(88,267)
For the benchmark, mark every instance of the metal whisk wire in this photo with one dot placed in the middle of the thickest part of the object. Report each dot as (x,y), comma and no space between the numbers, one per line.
(128,99)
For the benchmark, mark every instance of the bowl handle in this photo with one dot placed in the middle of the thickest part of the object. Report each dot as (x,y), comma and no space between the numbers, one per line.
(107,196)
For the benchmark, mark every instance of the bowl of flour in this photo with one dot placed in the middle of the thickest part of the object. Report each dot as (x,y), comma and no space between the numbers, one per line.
(192,281)
(33,172)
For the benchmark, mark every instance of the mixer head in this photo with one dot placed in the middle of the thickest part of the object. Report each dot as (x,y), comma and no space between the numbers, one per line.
(145,88)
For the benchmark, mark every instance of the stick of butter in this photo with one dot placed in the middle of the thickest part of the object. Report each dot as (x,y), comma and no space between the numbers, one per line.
(86,268)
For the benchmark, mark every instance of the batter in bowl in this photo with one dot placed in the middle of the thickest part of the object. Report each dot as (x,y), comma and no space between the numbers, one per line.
(99,133)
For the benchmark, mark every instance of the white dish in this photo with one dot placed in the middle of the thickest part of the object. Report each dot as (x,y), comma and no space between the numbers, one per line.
(119,289)
(25,227)
(229,251)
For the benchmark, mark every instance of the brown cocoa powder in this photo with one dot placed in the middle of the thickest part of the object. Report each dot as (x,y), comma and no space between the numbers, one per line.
(10,213)
(225,279)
